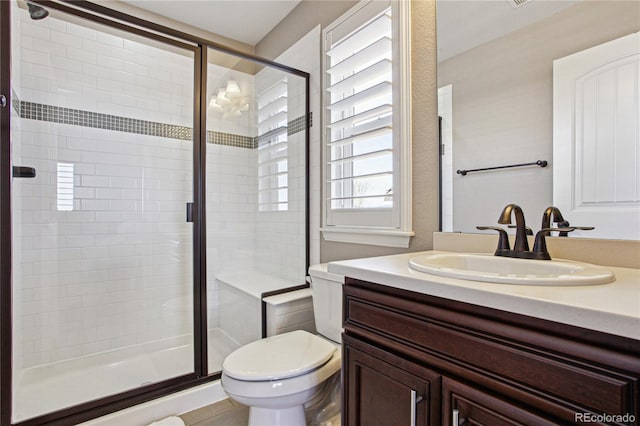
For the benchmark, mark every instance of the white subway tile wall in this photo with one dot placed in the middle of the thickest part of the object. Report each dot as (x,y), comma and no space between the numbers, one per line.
(304,56)
(279,241)
(239,236)
(290,312)
(104,274)
(97,277)
(116,270)
(16,125)
(231,218)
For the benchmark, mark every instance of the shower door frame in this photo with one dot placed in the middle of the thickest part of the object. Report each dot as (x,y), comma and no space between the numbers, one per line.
(100,14)
(6,352)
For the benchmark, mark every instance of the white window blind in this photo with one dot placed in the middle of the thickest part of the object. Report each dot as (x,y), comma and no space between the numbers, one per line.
(64,187)
(363,131)
(360,144)
(273,185)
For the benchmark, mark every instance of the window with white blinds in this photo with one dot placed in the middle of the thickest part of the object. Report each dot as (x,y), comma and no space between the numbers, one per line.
(64,199)
(273,178)
(366,140)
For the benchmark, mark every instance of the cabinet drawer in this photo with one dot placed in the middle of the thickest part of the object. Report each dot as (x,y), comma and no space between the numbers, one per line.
(479,408)
(535,370)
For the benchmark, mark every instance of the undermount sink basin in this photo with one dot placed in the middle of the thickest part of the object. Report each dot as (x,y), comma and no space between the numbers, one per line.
(506,270)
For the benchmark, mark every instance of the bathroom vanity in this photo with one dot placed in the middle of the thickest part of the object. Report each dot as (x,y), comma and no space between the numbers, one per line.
(428,350)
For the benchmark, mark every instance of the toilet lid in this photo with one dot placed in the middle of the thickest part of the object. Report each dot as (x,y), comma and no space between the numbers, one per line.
(278,357)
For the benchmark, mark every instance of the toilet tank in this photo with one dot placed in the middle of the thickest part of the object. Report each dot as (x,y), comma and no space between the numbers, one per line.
(326,292)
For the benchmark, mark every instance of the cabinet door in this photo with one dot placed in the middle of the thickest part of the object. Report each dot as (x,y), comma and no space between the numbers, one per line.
(378,392)
(475,407)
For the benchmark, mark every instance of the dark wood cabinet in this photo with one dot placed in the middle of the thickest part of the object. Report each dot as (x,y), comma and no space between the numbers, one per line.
(387,390)
(409,352)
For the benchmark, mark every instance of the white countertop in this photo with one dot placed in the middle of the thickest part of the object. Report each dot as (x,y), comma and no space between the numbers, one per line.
(611,308)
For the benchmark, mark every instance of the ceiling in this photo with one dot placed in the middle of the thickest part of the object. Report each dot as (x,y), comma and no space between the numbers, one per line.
(464,24)
(247,21)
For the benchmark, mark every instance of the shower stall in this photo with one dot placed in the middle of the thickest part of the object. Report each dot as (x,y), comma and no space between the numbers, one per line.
(150,180)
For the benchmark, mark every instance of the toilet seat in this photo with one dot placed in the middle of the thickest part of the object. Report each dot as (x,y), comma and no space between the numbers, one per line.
(270,390)
(278,357)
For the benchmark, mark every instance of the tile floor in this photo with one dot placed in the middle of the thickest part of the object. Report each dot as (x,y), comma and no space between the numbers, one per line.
(222,413)
(229,413)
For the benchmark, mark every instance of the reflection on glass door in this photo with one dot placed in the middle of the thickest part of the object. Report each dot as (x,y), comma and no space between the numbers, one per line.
(255,200)
(102,254)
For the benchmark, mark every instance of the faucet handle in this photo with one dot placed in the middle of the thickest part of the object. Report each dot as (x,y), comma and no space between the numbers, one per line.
(564,225)
(540,245)
(563,229)
(503,238)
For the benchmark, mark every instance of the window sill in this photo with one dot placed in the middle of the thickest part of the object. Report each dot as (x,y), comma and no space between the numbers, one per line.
(370,236)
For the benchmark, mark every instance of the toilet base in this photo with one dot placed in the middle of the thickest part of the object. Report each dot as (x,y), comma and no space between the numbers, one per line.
(292,416)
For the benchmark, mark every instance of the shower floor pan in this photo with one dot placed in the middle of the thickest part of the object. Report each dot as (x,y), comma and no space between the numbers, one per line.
(41,389)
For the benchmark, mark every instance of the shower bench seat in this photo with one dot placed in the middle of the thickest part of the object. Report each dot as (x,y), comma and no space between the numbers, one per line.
(253,305)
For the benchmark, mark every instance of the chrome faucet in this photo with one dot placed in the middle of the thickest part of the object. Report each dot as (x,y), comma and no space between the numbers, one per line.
(521,243)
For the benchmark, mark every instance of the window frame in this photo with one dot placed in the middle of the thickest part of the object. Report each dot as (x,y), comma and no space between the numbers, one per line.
(382,227)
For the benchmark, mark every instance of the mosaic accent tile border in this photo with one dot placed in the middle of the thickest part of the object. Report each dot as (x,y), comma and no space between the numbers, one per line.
(15,101)
(294,126)
(230,139)
(77,117)
(298,124)
(266,138)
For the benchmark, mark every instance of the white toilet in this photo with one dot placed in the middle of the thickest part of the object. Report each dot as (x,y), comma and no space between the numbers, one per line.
(277,375)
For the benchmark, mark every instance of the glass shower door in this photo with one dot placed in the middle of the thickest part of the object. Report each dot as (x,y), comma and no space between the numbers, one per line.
(255,199)
(102,152)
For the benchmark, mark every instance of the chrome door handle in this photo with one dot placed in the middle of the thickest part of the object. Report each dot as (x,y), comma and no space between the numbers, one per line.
(415,399)
(455,418)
